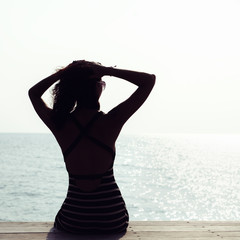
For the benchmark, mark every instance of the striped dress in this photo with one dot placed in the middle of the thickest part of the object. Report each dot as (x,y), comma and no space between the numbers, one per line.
(100,211)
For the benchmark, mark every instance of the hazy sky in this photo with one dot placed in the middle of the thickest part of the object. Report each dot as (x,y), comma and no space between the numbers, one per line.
(192,46)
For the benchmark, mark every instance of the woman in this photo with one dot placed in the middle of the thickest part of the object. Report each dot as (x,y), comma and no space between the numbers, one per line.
(87,139)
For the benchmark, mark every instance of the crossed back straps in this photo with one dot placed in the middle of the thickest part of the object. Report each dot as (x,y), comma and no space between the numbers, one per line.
(84,132)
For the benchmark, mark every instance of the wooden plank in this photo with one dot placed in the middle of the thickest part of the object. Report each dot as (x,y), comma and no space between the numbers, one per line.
(184,223)
(224,228)
(25,236)
(138,230)
(13,227)
(174,234)
(64,236)
(215,223)
(159,223)
(229,234)
(169,228)
(187,228)
(44,236)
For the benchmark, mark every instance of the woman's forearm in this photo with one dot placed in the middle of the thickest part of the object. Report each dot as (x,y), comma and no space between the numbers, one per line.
(137,78)
(38,89)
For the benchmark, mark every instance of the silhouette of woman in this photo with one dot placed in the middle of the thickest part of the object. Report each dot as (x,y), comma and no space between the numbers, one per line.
(87,139)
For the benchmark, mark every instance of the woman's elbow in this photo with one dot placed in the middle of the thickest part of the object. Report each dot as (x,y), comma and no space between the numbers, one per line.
(30,93)
(153,79)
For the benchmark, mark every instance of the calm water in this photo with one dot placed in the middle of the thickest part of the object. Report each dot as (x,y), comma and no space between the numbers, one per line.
(165,177)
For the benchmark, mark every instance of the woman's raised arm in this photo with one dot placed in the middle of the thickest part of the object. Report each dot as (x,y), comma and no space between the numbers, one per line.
(145,83)
(35,94)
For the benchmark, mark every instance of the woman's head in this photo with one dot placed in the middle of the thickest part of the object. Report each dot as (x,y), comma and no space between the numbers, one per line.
(76,88)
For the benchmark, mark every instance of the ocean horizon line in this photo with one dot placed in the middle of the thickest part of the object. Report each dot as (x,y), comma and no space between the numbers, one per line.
(145,133)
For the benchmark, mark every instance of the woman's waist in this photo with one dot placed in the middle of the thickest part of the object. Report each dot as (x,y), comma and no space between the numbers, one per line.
(104,184)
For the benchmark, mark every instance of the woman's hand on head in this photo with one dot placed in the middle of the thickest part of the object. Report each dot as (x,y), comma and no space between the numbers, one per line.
(74,67)
(97,68)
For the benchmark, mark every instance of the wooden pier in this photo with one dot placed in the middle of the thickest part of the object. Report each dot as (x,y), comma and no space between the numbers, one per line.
(138,230)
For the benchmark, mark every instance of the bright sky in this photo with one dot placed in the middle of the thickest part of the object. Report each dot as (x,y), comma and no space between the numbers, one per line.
(192,46)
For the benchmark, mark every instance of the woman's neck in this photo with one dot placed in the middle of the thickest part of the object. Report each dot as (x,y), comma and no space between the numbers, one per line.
(85,111)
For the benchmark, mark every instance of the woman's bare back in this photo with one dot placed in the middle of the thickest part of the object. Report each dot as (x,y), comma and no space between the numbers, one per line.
(88,145)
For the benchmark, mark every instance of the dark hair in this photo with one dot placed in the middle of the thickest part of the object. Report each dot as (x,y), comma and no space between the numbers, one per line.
(75,88)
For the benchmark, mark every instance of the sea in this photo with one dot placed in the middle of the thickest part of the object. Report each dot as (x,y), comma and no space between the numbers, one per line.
(161,177)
